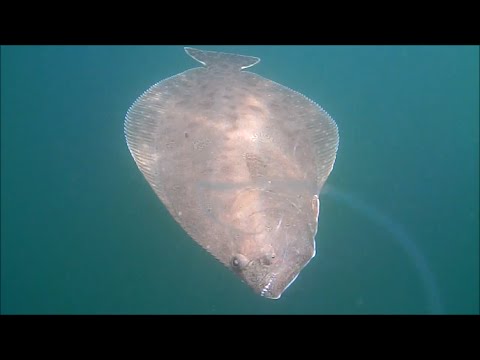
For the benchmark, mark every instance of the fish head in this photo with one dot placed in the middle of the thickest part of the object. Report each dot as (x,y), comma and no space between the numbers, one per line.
(280,244)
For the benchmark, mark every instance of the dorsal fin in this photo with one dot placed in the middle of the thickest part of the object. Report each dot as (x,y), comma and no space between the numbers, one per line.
(222,60)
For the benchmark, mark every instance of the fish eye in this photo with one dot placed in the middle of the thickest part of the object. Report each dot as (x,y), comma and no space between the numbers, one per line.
(268,259)
(239,261)
(235,262)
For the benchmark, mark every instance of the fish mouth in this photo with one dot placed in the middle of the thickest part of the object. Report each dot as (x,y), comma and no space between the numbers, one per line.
(265,292)
(277,282)
(274,289)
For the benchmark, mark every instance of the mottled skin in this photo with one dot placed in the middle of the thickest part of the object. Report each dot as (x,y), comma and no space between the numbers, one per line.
(238,160)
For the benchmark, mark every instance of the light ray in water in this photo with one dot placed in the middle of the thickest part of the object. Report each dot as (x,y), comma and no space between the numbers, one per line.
(401,237)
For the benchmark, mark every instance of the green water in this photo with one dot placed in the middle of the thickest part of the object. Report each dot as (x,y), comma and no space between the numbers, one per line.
(82,233)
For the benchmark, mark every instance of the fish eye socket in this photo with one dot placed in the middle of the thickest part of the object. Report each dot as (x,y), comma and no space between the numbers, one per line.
(239,261)
(268,259)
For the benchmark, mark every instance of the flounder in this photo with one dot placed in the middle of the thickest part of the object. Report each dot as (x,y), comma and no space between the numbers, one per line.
(239,161)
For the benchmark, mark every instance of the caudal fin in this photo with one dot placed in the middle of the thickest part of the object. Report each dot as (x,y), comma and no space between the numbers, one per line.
(222,60)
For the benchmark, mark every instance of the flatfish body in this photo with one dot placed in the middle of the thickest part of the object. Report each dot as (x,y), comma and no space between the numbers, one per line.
(239,161)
